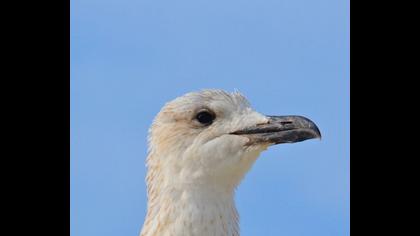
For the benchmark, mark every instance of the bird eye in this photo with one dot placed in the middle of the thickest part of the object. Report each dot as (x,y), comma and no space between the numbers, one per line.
(205,117)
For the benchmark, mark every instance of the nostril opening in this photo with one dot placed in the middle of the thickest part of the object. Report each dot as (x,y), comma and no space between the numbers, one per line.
(286,122)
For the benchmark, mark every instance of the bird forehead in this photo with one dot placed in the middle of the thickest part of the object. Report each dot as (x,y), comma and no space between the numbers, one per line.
(217,100)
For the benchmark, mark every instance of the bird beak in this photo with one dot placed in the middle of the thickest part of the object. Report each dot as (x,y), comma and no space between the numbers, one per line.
(281,129)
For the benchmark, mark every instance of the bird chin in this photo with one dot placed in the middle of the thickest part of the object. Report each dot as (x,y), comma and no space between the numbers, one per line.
(255,147)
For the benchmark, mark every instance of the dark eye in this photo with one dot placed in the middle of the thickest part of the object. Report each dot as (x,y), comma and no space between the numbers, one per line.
(205,117)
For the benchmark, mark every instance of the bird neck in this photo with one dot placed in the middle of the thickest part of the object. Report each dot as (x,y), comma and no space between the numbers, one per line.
(191,210)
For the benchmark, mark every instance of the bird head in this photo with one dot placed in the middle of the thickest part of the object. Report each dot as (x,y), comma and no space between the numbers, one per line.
(213,137)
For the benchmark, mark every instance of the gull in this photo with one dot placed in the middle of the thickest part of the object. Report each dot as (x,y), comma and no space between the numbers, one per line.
(201,145)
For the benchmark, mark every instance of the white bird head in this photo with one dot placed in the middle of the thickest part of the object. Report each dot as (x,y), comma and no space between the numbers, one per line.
(200,147)
(213,137)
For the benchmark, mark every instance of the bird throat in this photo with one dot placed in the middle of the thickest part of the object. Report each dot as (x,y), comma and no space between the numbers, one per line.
(191,211)
(184,203)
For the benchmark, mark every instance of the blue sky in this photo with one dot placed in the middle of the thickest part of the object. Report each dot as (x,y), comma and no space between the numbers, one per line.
(129,57)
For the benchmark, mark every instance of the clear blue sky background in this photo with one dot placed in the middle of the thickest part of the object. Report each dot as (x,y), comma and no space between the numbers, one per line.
(129,57)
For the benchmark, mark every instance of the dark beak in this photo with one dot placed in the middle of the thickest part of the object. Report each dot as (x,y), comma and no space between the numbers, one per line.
(281,129)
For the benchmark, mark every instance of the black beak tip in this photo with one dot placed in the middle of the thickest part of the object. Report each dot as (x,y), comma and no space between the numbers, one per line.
(313,127)
(317,132)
